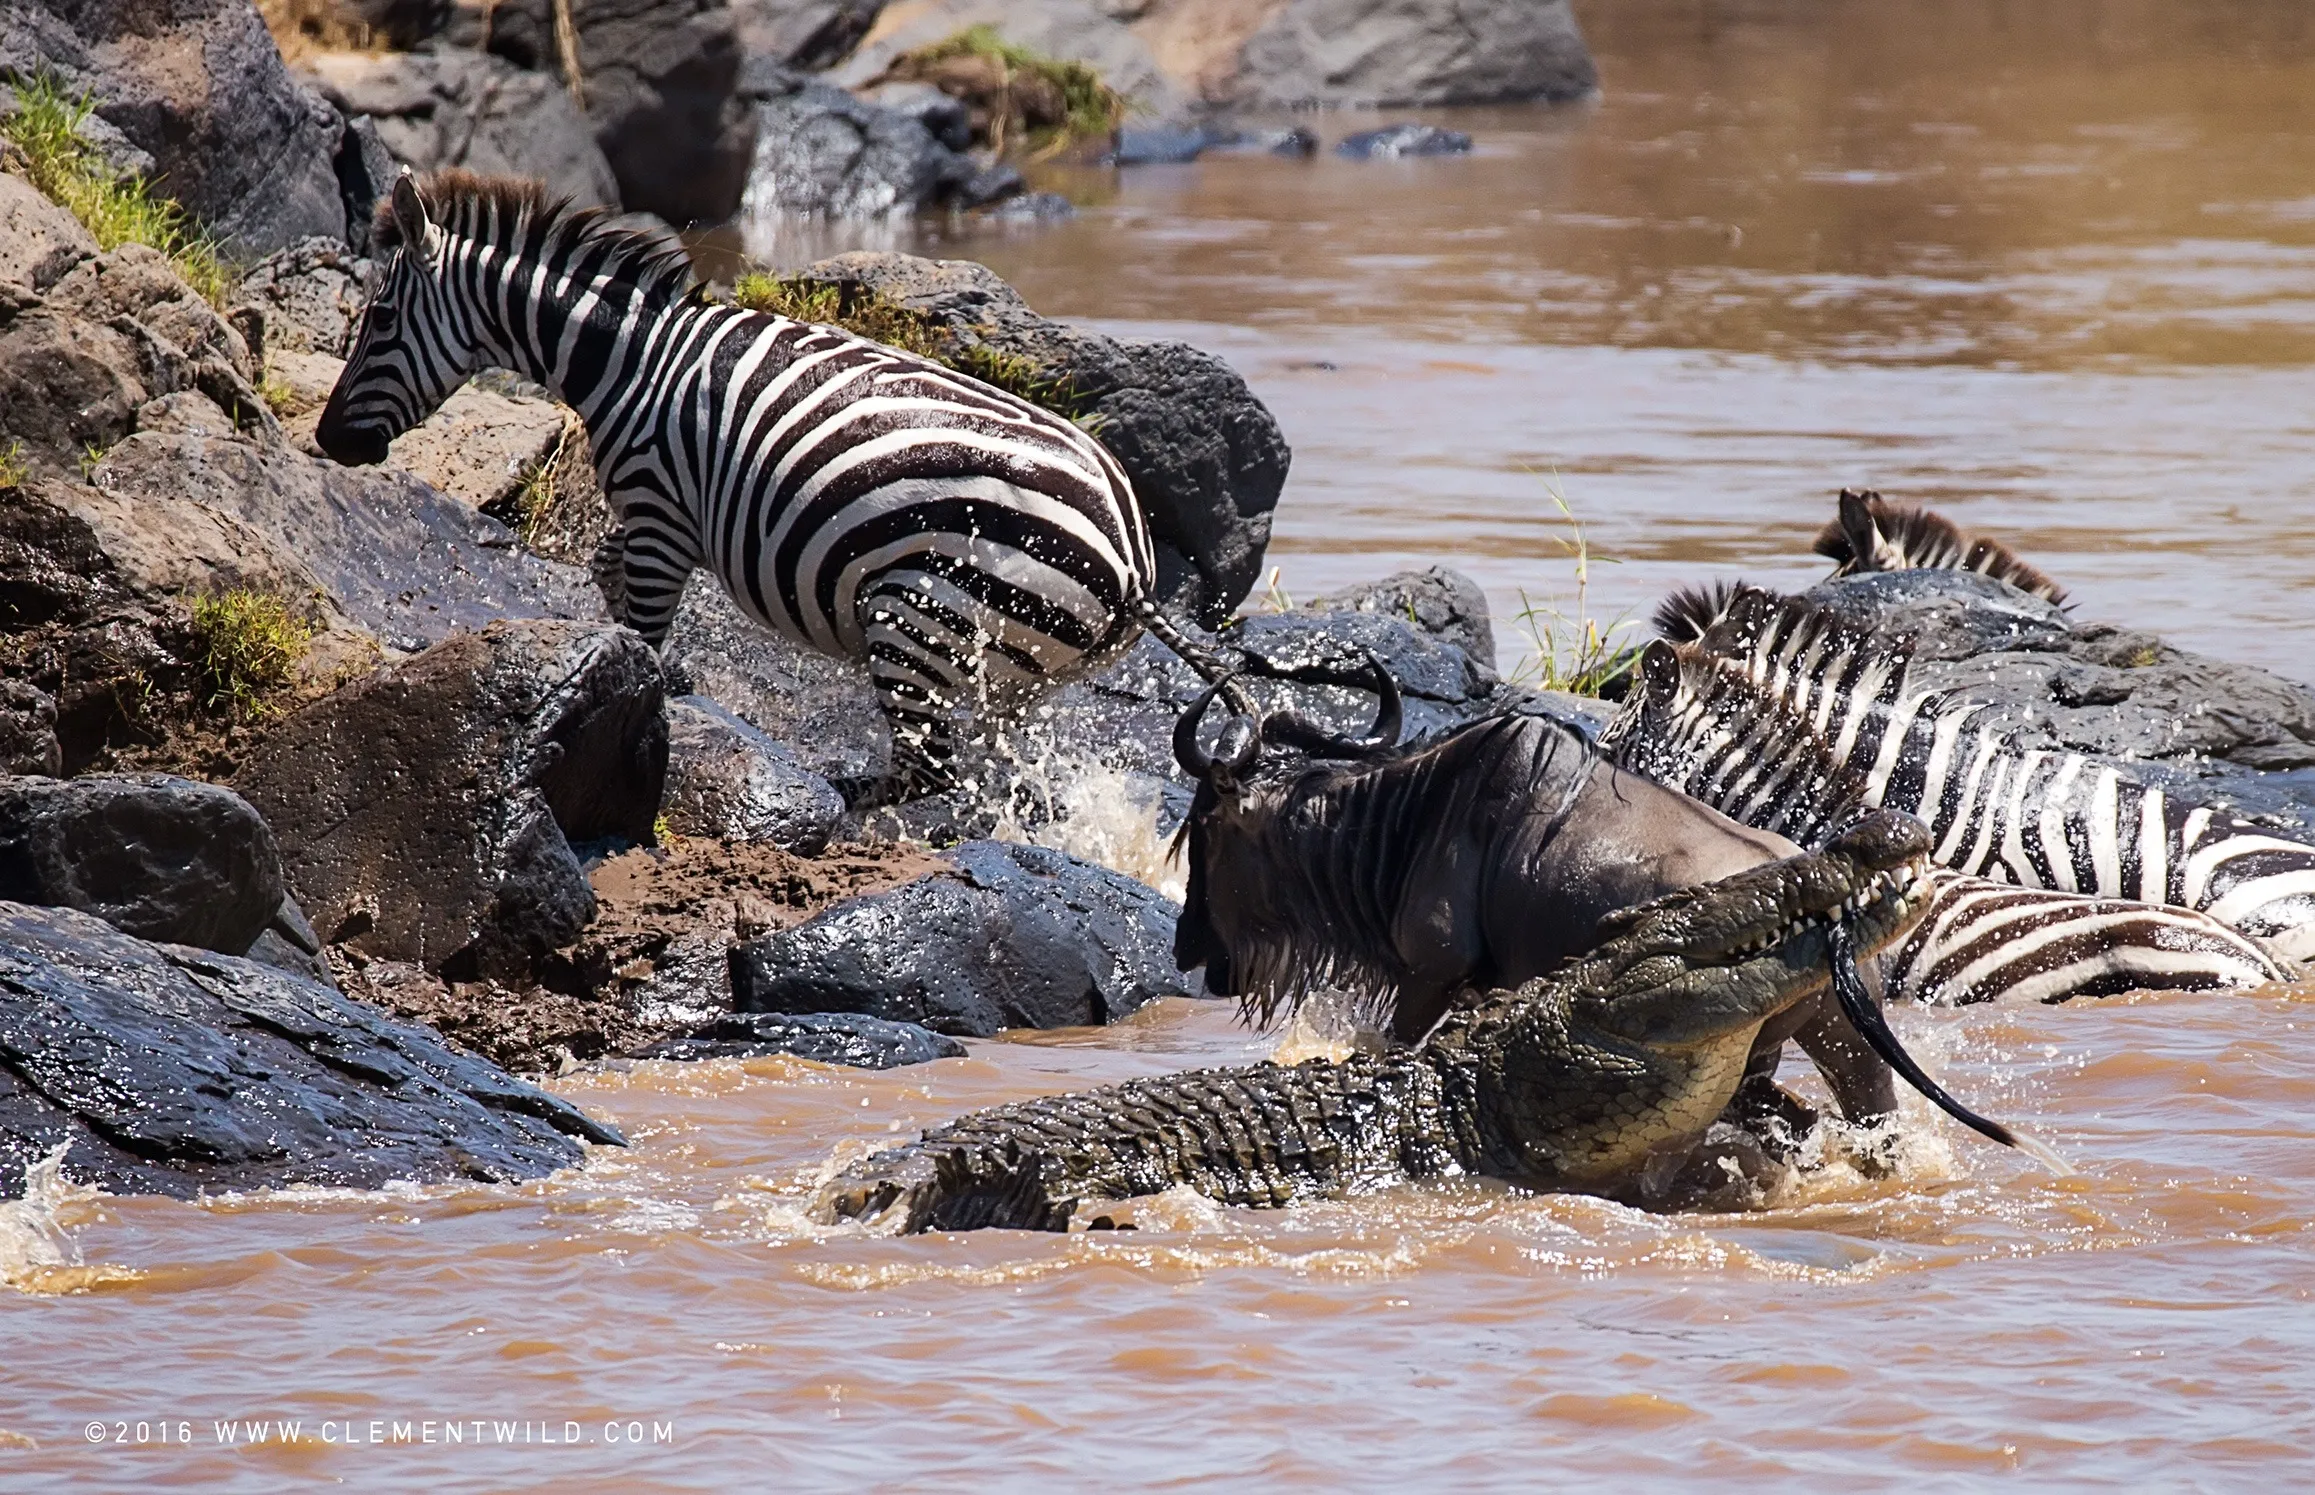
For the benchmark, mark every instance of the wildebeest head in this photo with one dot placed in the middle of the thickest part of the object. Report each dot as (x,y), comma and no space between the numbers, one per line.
(1232,906)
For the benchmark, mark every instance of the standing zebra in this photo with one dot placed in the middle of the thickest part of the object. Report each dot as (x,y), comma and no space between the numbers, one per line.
(972,549)
(1697,726)
(2032,817)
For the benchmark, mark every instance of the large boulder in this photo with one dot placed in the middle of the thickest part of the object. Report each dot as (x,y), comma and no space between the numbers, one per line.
(729,781)
(153,855)
(806,34)
(406,561)
(1205,455)
(1019,937)
(1286,54)
(660,84)
(472,110)
(824,153)
(39,241)
(1071,30)
(167,1070)
(199,88)
(428,812)
(310,296)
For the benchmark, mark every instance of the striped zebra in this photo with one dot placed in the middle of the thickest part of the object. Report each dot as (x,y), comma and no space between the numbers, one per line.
(1869,533)
(972,549)
(1711,733)
(2030,817)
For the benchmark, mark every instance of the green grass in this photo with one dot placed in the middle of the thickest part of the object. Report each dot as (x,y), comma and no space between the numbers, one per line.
(115,207)
(13,468)
(1570,649)
(880,321)
(1042,104)
(250,645)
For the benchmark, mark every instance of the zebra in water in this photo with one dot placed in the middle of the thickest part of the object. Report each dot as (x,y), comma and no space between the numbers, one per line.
(971,548)
(1869,533)
(2030,817)
(1709,731)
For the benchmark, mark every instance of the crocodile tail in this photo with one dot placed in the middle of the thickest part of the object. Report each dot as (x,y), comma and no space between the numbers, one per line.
(1264,1135)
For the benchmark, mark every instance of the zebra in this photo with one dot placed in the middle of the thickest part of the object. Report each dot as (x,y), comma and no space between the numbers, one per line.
(972,549)
(1711,733)
(2030,817)
(1869,533)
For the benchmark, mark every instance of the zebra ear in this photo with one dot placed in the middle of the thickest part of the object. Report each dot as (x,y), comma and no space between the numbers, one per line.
(1660,669)
(410,211)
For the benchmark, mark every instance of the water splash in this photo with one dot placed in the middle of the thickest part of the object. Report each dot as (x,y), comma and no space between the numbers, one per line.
(38,1253)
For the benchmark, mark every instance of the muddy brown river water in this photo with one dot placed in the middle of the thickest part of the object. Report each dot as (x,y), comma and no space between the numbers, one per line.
(2050,266)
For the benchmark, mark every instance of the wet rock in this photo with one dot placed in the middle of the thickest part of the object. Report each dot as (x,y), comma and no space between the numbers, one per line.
(1159,145)
(153,855)
(1021,937)
(946,119)
(1395,141)
(311,294)
(288,943)
(824,153)
(28,741)
(1204,454)
(169,1070)
(1030,208)
(1390,52)
(2225,732)
(427,813)
(472,110)
(1295,141)
(729,781)
(823,1037)
(39,241)
(199,87)
(805,34)
(660,80)
(822,708)
(402,559)
(1445,604)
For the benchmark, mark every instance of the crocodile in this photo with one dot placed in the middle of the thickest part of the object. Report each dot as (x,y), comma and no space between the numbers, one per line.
(1577,1080)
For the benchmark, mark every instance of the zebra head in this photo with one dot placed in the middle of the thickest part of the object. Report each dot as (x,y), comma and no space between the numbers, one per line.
(416,343)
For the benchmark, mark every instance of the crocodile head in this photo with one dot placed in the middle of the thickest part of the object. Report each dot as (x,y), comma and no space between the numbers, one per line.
(1764,938)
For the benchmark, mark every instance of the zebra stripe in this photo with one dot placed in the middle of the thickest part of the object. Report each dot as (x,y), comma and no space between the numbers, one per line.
(1703,728)
(971,549)
(2032,817)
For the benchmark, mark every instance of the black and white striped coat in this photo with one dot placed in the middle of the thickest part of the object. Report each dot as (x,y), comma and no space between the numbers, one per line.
(971,549)
(1697,725)
(2030,817)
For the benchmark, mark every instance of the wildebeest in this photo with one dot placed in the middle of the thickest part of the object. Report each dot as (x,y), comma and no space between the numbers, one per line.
(1480,861)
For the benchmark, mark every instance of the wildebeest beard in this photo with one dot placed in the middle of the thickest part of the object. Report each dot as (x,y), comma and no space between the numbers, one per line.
(1335,849)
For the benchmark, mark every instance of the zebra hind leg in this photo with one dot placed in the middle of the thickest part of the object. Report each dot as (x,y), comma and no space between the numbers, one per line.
(921,678)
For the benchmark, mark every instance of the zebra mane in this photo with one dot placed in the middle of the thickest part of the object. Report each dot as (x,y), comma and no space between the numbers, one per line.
(519,216)
(1689,612)
(1872,534)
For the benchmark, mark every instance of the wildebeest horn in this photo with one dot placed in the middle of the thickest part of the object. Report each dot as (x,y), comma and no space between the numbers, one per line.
(1383,736)
(1196,761)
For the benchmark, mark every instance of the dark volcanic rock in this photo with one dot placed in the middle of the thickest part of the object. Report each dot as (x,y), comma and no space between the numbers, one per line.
(1395,141)
(808,34)
(823,1037)
(427,813)
(824,153)
(198,86)
(661,84)
(1205,455)
(405,561)
(1022,937)
(170,1070)
(311,295)
(28,741)
(2223,732)
(155,856)
(1444,604)
(1337,52)
(727,780)
(476,111)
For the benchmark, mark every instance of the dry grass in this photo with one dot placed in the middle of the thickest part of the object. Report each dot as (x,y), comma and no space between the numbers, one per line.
(303,27)
(1572,650)
(14,469)
(116,207)
(1023,102)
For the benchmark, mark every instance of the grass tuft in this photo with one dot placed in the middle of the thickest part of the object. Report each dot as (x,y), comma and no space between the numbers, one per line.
(250,645)
(1571,650)
(14,469)
(116,207)
(879,320)
(1021,99)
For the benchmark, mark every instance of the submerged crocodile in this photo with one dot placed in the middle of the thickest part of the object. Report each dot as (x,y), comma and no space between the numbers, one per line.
(1575,1080)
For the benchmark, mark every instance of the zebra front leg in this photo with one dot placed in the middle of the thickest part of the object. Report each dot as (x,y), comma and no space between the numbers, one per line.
(641,568)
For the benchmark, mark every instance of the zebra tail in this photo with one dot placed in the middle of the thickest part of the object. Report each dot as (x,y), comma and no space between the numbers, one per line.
(1210,667)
